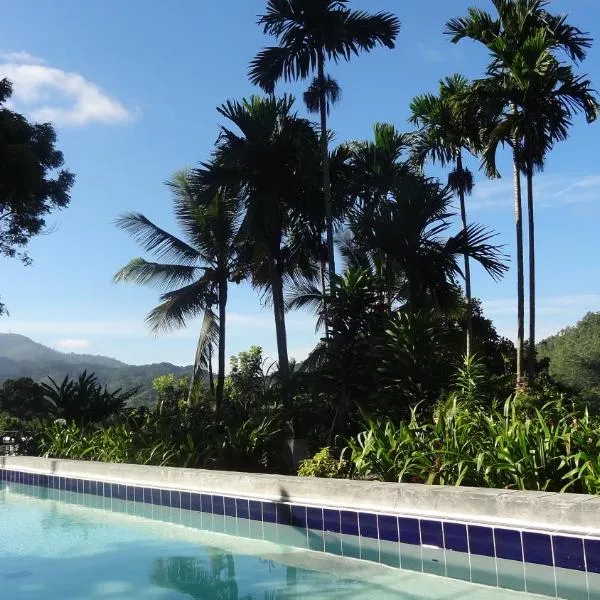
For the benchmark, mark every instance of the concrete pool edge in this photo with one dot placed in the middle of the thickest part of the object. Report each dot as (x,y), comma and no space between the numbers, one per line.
(550,512)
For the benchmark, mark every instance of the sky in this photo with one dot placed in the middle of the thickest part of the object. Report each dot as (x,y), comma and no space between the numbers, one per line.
(132,88)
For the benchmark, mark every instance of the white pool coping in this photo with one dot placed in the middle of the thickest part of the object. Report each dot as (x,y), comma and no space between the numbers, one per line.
(577,514)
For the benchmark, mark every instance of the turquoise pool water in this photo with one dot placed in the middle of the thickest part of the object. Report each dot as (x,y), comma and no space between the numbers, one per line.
(53,550)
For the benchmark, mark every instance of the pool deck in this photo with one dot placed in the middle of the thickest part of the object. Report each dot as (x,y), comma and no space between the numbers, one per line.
(577,514)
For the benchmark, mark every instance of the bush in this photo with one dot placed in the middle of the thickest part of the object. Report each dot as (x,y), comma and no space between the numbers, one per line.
(323,464)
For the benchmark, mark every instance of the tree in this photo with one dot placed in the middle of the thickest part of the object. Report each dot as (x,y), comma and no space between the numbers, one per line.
(205,260)
(271,159)
(445,132)
(310,32)
(23,398)
(31,184)
(535,97)
(409,229)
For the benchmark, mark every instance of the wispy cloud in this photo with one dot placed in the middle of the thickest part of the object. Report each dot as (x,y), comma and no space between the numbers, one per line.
(549,191)
(72,344)
(50,94)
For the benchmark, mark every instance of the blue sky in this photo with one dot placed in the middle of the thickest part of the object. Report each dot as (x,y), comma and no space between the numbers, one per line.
(133,86)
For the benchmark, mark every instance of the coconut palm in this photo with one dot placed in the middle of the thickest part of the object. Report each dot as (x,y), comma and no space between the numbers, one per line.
(535,96)
(201,264)
(271,156)
(310,32)
(446,131)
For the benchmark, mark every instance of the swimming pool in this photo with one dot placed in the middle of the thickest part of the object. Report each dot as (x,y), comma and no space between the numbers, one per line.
(81,537)
(51,549)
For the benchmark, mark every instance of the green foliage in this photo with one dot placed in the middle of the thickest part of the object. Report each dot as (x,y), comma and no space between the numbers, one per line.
(551,448)
(31,184)
(573,358)
(83,399)
(323,464)
(23,399)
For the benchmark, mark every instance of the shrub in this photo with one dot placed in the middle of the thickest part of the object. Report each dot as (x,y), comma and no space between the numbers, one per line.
(323,464)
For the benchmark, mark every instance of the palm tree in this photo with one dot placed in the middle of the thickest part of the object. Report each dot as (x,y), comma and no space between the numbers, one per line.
(536,96)
(310,32)
(445,132)
(409,227)
(201,264)
(273,160)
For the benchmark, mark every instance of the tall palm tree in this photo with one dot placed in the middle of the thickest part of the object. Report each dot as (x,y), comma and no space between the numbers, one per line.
(200,266)
(271,156)
(446,131)
(536,96)
(310,32)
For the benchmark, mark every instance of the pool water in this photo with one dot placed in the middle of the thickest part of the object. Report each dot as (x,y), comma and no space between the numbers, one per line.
(53,550)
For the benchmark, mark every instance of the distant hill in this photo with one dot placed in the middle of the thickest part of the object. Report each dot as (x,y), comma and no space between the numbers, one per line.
(573,355)
(22,357)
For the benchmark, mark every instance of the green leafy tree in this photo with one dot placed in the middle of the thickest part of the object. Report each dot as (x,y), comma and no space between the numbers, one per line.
(446,131)
(309,33)
(534,97)
(204,262)
(23,398)
(32,183)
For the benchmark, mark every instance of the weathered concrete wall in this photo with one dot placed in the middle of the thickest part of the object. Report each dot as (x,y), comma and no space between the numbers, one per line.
(572,513)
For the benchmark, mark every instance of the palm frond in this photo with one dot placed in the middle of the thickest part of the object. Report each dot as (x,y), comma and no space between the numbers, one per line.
(159,275)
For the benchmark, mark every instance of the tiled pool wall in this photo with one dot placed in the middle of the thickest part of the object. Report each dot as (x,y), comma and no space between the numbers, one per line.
(546,562)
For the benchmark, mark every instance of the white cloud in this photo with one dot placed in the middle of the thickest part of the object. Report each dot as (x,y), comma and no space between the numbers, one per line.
(71,344)
(21,58)
(50,94)
(549,191)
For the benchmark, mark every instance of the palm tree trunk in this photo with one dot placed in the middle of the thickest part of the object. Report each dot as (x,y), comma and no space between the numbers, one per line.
(280,332)
(463,216)
(531,219)
(324,294)
(211,377)
(325,161)
(222,317)
(520,278)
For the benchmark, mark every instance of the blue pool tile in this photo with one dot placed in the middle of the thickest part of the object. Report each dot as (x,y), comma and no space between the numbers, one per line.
(121,492)
(409,531)
(242,509)
(349,522)
(367,525)
(314,518)
(255,508)
(508,544)
(218,505)
(431,533)
(186,500)
(138,494)
(284,514)
(87,485)
(155,495)
(299,516)
(147,495)
(269,511)
(388,528)
(331,521)
(481,540)
(201,503)
(455,537)
(537,548)
(229,506)
(592,555)
(568,552)
(175,499)
(80,483)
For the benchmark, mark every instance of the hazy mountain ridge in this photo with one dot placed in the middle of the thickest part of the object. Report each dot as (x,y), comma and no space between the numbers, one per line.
(20,356)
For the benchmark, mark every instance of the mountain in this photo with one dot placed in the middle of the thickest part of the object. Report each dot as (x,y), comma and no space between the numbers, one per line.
(22,357)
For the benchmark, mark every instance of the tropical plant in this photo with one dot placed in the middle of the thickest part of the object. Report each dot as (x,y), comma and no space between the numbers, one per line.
(323,464)
(84,399)
(205,260)
(533,98)
(310,32)
(446,131)
(271,160)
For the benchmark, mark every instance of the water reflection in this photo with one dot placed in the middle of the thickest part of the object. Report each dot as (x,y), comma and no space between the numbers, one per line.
(214,577)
